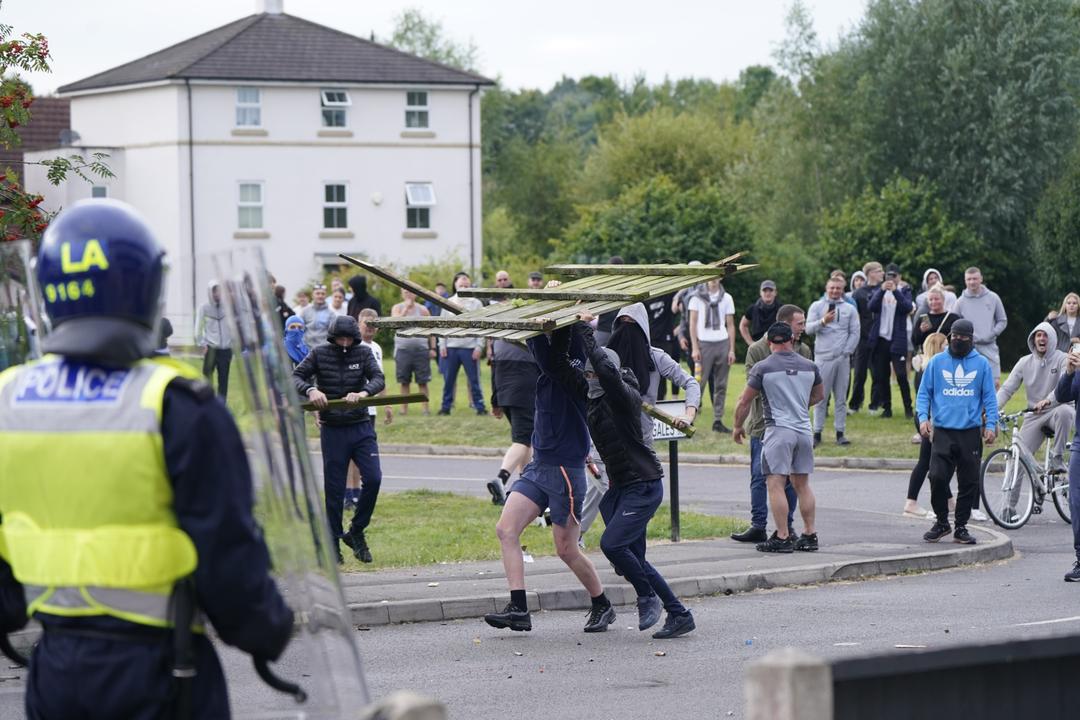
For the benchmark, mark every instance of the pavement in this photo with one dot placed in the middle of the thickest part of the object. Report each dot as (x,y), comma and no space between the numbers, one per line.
(867,544)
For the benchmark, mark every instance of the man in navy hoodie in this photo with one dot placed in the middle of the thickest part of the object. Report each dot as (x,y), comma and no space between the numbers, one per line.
(555,479)
(957,388)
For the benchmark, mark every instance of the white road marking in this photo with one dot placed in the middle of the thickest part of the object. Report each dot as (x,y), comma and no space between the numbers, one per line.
(1048,622)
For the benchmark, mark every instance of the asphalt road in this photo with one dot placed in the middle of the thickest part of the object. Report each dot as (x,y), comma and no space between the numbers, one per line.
(483,673)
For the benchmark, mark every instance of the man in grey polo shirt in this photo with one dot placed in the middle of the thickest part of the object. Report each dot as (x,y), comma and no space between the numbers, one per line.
(836,325)
(788,384)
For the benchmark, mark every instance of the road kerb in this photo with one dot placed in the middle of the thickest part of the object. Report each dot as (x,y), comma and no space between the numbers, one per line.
(998,548)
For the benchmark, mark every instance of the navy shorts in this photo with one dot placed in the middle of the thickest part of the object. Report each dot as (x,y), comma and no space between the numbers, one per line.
(558,487)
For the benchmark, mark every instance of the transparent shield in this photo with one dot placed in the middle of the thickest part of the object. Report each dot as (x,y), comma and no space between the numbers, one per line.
(21,306)
(323,656)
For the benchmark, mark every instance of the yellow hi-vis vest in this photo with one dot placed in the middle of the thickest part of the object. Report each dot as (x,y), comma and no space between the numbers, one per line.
(85,499)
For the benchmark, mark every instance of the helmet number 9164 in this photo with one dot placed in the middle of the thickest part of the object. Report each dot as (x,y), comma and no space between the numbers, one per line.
(70,290)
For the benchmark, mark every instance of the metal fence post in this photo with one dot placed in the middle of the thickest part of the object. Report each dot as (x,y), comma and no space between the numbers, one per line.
(673,466)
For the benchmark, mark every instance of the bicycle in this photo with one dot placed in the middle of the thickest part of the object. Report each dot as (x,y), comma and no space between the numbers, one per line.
(1013,485)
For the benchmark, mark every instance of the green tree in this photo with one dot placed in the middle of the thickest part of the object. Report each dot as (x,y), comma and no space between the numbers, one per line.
(656,220)
(1056,234)
(420,35)
(905,223)
(689,148)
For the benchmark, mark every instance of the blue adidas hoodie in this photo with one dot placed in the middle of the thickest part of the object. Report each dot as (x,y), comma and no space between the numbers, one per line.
(955,391)
(560,433)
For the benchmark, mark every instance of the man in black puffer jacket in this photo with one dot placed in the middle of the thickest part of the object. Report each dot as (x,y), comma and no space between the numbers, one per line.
(614,418)
(342,368)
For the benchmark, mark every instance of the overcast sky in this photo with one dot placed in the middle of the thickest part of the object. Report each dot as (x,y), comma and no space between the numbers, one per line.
(528,44)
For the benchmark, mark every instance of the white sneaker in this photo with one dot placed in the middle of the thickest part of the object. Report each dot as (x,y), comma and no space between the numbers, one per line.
(916,439)
(978,515)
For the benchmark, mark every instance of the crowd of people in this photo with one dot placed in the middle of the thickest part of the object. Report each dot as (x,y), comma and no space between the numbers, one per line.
(938,345)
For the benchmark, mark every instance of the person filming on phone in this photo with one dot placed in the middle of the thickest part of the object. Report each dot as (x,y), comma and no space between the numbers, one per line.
(836,325)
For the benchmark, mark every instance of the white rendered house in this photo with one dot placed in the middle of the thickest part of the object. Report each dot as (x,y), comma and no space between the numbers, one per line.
(279,132)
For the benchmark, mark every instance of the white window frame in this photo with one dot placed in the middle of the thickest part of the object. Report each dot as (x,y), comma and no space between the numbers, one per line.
(422,111)
(95,188)
(335,204)
(334,100)
(255,105)
(242,204)
(419,200)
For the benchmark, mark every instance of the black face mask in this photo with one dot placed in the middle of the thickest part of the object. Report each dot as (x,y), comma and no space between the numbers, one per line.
(960,348)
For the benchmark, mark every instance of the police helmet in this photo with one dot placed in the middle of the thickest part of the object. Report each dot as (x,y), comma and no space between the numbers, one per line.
(99,259)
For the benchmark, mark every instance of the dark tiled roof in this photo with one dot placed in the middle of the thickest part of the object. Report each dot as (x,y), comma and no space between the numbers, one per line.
(279,47)
(48,117)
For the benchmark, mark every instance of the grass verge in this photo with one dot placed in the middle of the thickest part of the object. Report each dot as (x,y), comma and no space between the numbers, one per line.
(423,527)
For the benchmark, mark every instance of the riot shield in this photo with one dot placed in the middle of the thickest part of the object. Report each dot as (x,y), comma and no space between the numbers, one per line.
(21,315)
(323,657)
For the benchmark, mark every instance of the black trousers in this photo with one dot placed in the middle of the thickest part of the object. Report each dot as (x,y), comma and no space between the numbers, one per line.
(958,451)
(858,384)
(218,359)
(880,360)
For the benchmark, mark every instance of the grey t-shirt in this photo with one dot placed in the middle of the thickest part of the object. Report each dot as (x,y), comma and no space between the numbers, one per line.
(785,380)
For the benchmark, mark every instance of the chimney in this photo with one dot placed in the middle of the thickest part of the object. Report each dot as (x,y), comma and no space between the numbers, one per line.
(270,7)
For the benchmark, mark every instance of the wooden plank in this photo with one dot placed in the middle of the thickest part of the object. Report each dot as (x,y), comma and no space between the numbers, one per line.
(576,270)
(464,321)
(418,290)
(372,401)
(556,293)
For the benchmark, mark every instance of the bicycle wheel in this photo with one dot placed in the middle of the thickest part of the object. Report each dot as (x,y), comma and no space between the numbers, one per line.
(1060,491)
(1007,489)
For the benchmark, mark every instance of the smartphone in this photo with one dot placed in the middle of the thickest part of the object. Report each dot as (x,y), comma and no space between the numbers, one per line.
(832,307)
(1075,348)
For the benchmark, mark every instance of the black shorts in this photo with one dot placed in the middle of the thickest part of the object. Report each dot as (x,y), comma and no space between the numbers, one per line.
(521,424)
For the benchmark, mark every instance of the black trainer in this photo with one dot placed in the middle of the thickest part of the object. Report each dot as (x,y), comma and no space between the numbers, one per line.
(817,439)
(600,618)
(720,427)
(511,617)
(358,543)
(498,492)
(938,531)
(807,543)
(1074,574)
(776,544)
(751,534)
(675,625)
(962,536)
(841,440)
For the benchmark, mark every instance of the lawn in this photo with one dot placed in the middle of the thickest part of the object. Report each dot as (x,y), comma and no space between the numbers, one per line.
(422,527)
(871,436)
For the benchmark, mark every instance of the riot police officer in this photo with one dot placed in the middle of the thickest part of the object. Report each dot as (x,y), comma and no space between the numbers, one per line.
(125,495)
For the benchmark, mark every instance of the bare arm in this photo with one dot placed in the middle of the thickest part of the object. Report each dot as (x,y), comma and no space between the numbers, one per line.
(817,394)
(744,330)
(742,410)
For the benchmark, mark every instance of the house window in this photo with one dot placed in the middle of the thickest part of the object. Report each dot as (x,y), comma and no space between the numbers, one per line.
(248,109)
(250,207)
(99,191)
(335,207)
(335,104)
(419,199)
(416,109)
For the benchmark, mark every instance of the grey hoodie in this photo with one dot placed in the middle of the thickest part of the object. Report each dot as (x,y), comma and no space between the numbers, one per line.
(986,313)
(1038,373)
(211,327)
(838,338)
(665,367)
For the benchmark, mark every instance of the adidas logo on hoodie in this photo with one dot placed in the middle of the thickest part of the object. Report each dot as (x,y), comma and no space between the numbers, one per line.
(958,382)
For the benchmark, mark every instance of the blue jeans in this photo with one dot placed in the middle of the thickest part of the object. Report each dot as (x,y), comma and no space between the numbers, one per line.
(759,495)
(456,358)
(340,444)
(627,511)
(1074,494)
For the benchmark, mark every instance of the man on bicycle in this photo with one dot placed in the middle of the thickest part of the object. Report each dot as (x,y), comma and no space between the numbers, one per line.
(1039,373)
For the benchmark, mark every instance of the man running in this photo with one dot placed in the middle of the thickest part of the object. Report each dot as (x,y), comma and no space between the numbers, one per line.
(555,479)
(637,488)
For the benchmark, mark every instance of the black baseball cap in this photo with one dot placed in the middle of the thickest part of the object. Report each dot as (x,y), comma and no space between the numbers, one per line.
(534,275)
(892,269)
(962,327)
(780,333)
